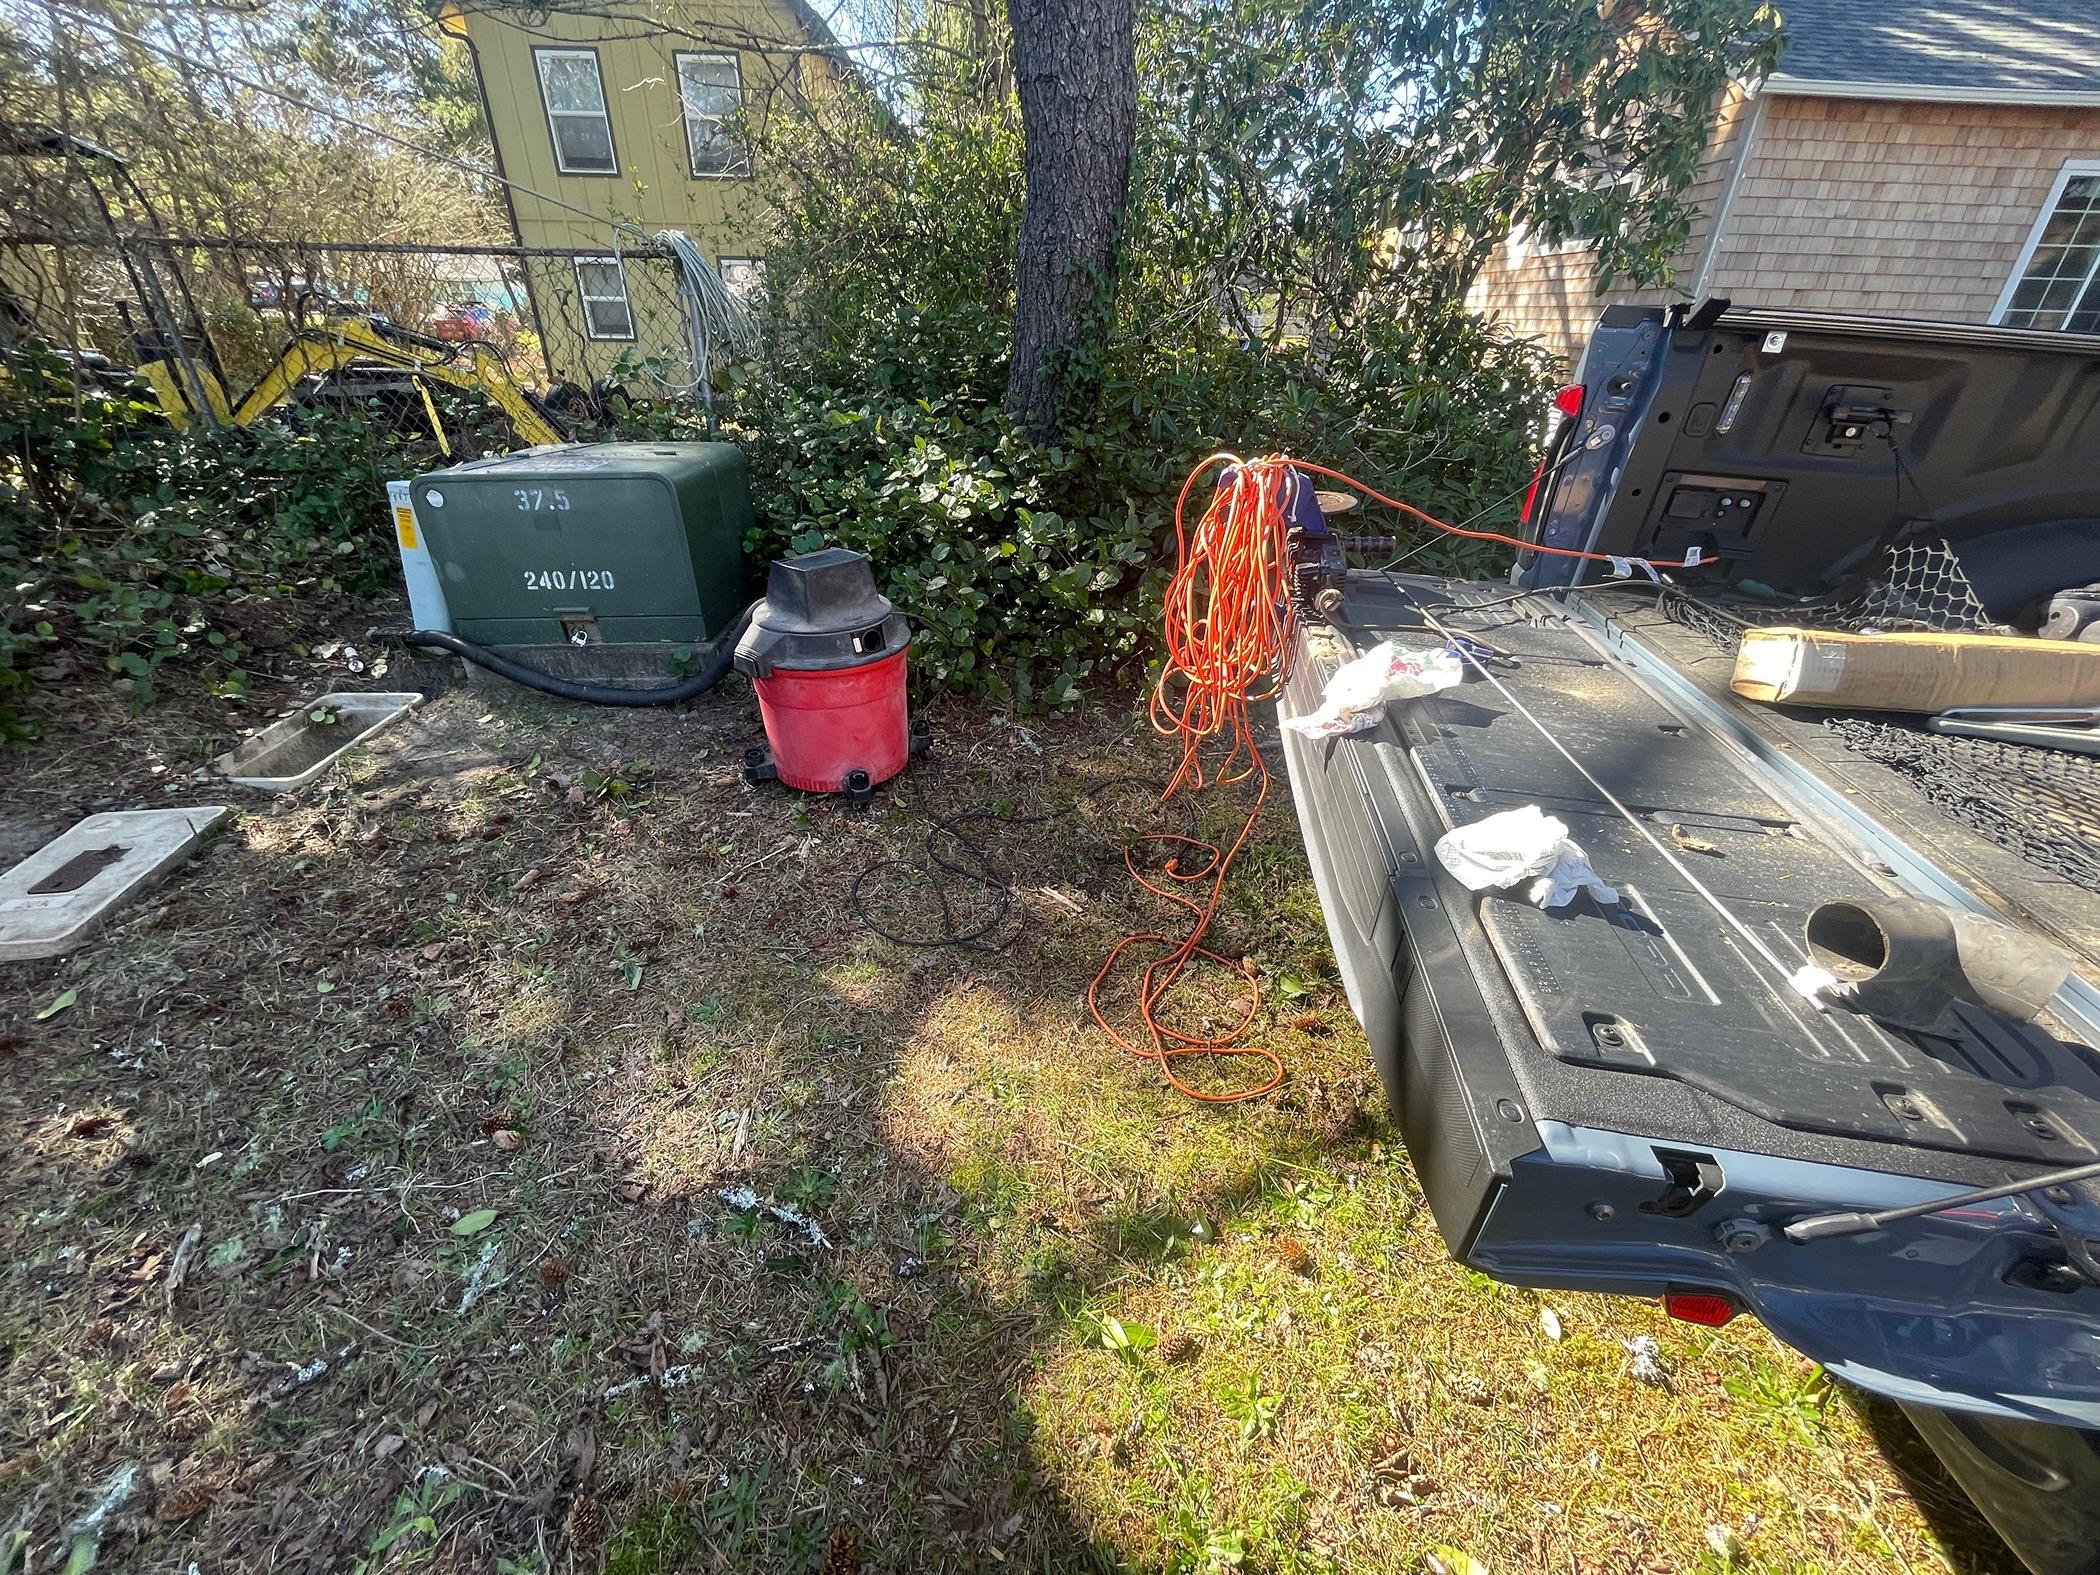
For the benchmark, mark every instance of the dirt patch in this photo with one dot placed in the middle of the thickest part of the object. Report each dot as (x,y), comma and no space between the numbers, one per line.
(514,1151)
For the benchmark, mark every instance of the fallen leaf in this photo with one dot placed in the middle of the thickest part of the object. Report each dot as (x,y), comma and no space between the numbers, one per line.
(1454,1561)
(633,1191)
(59,1004)
(185,1249)
(386,1444)
(474,1224)
(90,1126)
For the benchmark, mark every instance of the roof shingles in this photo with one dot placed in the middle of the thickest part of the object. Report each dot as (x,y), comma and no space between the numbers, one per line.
(1984,46)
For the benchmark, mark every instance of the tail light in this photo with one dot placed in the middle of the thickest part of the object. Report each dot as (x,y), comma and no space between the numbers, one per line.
(1709,1309)
(1568,401)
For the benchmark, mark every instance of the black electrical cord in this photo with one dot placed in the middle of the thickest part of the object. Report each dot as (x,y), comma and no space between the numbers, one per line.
(1858,1222)
(710,674)
(971,862)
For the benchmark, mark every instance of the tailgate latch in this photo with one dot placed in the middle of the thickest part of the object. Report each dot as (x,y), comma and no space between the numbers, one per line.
(1690,1182)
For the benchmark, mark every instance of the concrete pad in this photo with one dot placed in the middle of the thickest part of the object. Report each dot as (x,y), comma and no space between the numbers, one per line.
(58,896)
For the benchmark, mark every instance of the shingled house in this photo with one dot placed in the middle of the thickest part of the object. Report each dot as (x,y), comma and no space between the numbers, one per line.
(1919,158)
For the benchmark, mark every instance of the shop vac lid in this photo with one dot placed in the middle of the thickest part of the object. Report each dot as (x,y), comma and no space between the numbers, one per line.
(821,611)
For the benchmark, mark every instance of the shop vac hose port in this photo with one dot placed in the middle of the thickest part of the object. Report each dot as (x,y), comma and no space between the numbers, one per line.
(1908,964)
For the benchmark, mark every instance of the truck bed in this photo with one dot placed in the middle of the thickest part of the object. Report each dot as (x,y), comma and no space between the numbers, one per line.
(1650,1019)
(2020,889)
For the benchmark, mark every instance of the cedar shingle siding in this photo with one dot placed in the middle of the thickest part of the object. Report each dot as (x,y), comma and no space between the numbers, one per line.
(1893,207)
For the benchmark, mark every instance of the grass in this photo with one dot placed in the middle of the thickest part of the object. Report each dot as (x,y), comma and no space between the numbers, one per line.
(449,1071)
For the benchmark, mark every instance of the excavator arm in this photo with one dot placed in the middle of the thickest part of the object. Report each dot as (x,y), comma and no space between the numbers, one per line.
(473,366)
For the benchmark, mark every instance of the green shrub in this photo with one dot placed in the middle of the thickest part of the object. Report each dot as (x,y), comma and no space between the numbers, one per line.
(124,543)
(1014,585)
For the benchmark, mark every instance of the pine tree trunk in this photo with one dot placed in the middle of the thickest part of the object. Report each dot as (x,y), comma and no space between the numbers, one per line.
(1075,65)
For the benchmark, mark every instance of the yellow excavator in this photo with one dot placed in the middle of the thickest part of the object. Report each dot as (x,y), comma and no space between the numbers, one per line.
(354,344)
(341,360)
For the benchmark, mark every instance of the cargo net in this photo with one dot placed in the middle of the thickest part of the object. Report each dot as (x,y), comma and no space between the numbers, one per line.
(1920,586)
(2041,803)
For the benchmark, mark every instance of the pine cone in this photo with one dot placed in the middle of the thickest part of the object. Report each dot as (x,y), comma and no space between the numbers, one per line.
(586,1522)
(1293,1255)
(842,1553)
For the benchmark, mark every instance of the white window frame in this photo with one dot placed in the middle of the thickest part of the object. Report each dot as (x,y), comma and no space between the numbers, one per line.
(603,112)
(740,168)
(2073,168)
(584,298)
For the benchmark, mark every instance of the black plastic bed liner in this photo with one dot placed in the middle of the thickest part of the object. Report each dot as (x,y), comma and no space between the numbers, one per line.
(2022,891)
(1652,1016)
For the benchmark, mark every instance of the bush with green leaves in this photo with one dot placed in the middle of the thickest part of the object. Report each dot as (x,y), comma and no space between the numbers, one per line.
(1010,591)
(128,546)
(1314,187)
(1034,574)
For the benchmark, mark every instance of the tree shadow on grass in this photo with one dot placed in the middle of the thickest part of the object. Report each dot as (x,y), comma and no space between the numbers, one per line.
(459,1078)
(512,1155)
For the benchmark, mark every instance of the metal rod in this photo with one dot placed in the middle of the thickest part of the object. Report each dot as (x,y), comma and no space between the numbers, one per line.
(1857,1222)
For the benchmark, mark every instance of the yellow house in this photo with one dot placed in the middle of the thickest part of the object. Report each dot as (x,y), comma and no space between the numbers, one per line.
(631,116)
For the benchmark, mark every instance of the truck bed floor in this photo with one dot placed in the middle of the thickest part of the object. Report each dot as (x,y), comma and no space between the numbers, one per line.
(1652,1017)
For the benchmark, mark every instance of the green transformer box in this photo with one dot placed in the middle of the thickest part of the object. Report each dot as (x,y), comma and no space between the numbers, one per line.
(590,543)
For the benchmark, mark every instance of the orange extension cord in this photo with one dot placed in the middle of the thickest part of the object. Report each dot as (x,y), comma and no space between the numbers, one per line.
(1228,633)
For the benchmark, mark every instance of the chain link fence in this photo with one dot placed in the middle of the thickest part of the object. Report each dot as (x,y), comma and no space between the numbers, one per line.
(584,332)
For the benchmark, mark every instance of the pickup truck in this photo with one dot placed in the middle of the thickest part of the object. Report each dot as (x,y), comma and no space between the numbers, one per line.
(1631,1098)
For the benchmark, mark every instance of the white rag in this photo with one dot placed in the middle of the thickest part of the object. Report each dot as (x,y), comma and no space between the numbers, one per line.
(1520,845)
(1355,697)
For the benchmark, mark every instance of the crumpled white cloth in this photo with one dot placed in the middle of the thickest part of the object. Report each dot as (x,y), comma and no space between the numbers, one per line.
(1519,845)
(1356,695)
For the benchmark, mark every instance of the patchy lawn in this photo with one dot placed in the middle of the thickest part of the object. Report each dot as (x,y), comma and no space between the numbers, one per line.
(514,1153)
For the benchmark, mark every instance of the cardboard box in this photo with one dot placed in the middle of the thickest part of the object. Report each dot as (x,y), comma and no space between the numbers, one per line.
(1923,672)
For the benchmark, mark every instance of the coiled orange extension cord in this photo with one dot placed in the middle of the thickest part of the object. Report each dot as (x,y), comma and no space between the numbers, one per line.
(1228,639)
(1228,635)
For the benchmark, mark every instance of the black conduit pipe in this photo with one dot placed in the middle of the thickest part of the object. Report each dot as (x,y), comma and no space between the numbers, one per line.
(719,658)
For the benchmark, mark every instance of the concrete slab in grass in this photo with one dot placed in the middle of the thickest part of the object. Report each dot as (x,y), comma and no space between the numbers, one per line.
(54,899)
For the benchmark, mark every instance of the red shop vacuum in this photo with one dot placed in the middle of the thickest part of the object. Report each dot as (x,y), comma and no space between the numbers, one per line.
(826,653)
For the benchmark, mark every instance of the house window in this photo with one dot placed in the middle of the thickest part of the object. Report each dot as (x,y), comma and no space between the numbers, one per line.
(712,92)
(574,94)
(743,277)
(601,285)
(2056,283)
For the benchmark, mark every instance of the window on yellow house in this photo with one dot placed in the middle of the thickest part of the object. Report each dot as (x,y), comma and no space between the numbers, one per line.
(712,91)
(574,94)
(601,285)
